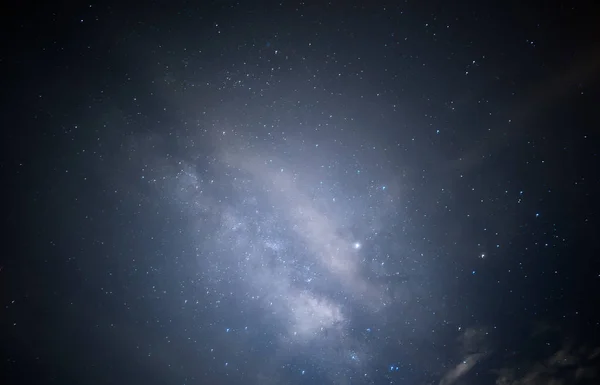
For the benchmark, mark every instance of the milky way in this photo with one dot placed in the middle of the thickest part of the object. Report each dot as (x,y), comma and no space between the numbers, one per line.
(297,235)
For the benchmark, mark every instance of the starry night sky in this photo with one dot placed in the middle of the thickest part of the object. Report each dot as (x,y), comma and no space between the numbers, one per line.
(295,193)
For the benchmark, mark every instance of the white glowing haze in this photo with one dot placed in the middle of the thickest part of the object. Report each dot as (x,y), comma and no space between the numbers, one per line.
(288,248)
(306,246)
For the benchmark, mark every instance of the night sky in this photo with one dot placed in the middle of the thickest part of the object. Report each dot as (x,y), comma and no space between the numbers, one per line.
(295,193)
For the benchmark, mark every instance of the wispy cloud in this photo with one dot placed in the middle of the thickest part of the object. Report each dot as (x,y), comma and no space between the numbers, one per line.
(472,344)
(565,366)
(461,369)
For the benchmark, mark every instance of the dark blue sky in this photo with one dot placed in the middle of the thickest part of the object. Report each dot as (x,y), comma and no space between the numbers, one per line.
(235,193)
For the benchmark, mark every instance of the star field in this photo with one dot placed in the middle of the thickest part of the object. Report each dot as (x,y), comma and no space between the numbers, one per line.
(295,193)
